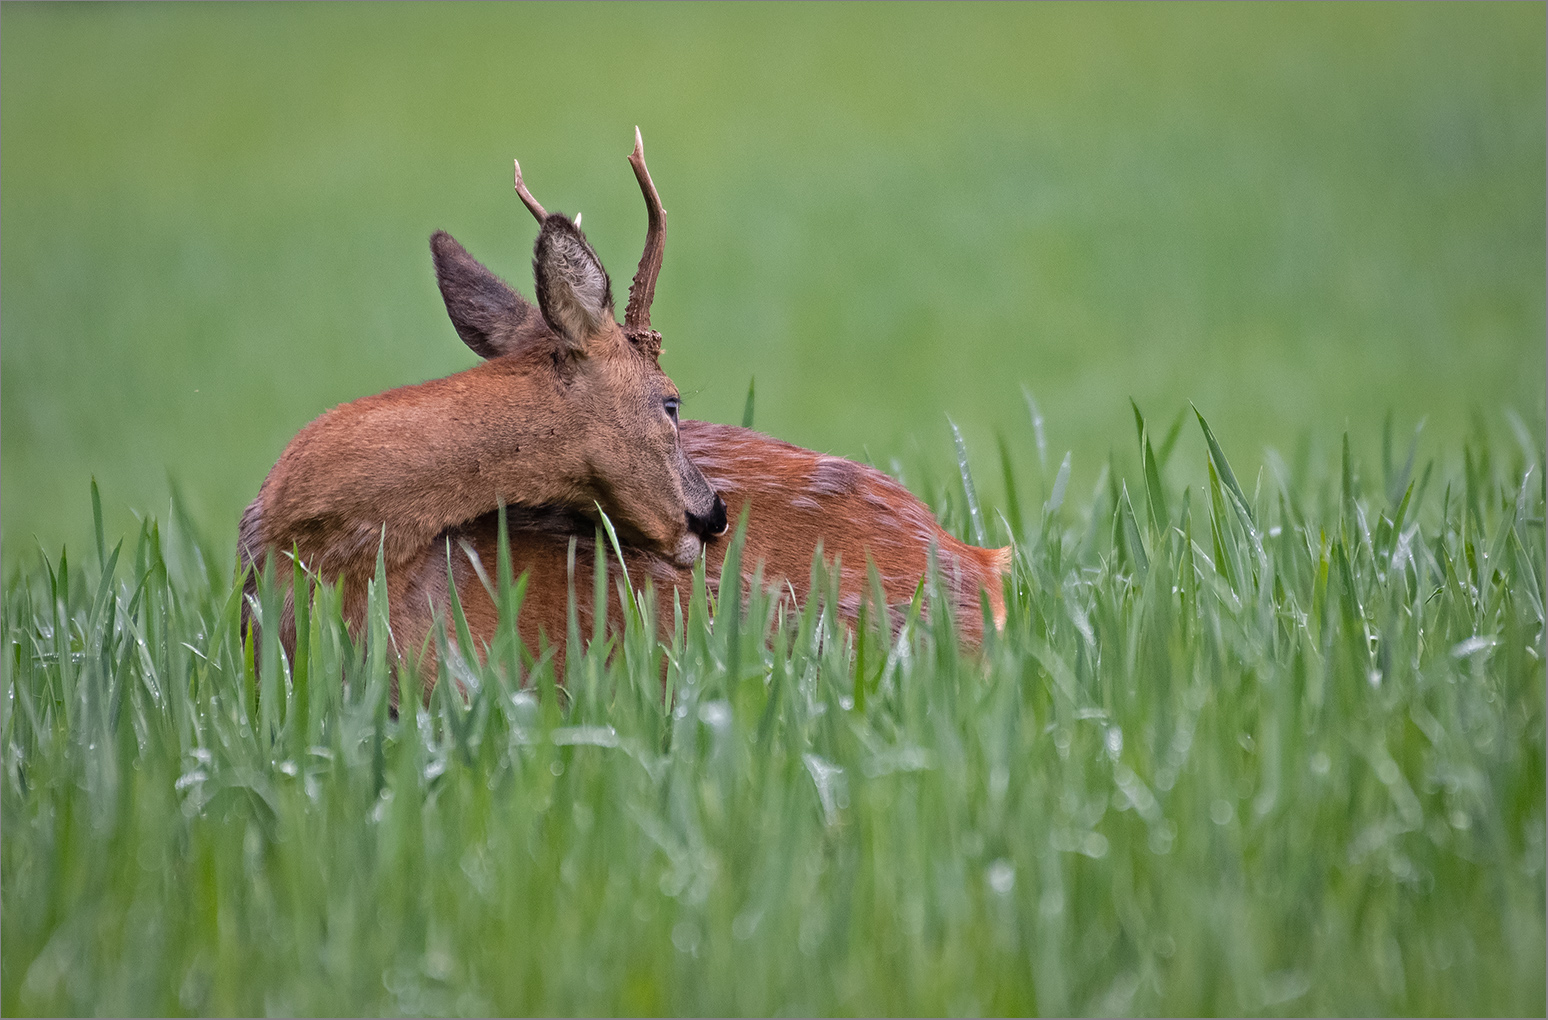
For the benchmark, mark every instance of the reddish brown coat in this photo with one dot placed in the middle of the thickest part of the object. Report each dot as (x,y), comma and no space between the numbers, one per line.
(795,499)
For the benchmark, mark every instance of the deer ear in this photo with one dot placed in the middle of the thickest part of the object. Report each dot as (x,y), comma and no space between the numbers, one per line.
(572,287)
(490,317)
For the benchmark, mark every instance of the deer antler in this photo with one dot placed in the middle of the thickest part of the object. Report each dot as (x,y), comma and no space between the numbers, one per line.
(526,196)
(643,290)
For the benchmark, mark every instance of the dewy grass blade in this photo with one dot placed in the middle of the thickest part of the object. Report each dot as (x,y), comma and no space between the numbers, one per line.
(598,589)
(1239,500)
(747,409)
(1013,516)
(1400,517)
(466,649)
(1061,482)
(105,583)
(512,595)
(1227,476)
(381,648)
(1131,534)
(1224,545)
(1154,497)
(1350,527)
(301,668)
(96,521)
(975,516)
(476,562)
(1172,433)
(612,538)
(271,661)
(1036,415)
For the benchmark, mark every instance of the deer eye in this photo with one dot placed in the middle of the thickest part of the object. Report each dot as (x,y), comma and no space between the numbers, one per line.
(671,404)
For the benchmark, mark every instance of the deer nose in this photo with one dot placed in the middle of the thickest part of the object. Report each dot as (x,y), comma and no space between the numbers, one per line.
(713,524)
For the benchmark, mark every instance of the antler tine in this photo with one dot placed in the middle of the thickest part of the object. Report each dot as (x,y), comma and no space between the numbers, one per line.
(643,290)
(526,196)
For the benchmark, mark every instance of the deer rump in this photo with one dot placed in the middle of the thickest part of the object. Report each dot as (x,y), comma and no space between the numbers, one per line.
(794,500)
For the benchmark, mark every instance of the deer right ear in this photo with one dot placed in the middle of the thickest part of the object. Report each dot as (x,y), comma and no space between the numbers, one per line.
(572,287)
(491,318)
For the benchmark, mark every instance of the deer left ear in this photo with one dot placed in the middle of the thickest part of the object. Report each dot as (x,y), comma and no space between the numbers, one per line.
(572,287)
(491,318)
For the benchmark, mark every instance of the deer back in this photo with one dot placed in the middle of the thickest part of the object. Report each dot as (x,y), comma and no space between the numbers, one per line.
(797,502)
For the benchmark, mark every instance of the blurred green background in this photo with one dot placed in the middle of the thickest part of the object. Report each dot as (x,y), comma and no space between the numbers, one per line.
(1301,218)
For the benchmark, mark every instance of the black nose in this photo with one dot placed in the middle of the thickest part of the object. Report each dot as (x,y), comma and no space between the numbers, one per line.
(713,524)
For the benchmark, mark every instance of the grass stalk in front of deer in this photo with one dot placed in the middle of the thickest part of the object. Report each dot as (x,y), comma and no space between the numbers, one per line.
(1264,748)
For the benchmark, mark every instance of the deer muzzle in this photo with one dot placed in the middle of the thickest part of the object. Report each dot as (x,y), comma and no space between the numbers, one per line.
(713,524)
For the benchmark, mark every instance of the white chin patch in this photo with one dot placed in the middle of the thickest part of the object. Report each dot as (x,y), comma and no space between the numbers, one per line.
(688,550)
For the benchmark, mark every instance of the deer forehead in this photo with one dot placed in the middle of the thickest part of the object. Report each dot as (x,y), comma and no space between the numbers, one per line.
(624,374)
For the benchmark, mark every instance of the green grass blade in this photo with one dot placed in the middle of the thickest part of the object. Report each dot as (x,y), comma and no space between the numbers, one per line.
(975,515)
(1061,482)
(1131,535)
(1155,498)
(301,668)
(1036,414)
(1017,523)
(612,538)
(1227,476)
(96,521)
(1172,432)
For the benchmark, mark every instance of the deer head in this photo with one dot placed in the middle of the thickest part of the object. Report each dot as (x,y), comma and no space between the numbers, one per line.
(613,406)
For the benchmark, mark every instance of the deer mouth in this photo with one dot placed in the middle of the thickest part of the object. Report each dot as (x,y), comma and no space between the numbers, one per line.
(688,550)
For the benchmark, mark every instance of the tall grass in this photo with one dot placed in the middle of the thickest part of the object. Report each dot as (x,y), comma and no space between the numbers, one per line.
(1278,750)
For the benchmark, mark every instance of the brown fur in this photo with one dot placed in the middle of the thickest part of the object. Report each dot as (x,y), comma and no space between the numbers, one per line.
(795,499)
(567,412)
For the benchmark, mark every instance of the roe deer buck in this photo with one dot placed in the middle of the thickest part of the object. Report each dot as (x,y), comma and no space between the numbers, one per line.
(569,410)
(795,499)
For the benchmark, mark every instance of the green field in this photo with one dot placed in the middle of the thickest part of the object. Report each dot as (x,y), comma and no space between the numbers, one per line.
(1262,740)
(1231,754)
(1300,218)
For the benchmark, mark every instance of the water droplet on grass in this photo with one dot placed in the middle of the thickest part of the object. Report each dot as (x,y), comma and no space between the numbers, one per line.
(685,936)
(745,924)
